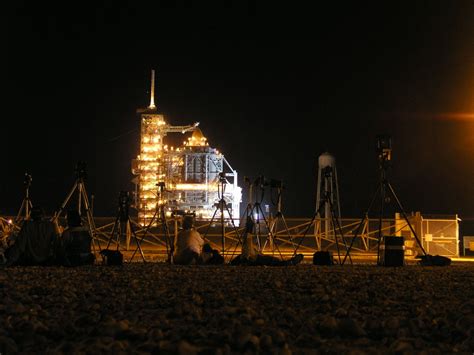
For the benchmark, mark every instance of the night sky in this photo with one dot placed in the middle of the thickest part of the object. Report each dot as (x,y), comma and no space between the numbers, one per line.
(272,86)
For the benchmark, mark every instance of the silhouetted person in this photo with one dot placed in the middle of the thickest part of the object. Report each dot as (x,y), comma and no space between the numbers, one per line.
(35,243)
(76,241)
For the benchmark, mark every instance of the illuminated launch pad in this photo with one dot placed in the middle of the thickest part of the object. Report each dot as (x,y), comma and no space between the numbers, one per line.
(190,173)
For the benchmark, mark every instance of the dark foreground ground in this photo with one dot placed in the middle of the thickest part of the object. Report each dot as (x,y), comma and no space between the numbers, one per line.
(158,308)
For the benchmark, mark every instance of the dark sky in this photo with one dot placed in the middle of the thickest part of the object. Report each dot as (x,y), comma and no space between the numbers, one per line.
(273,87)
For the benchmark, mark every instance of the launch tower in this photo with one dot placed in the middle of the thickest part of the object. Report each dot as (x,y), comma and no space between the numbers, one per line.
(190,173)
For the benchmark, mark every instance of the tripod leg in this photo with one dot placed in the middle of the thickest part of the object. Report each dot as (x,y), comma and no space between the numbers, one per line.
(118,237)
(273,225)
(68,197)
(28,210)
(20,211)
(247,213)
(239,239)
(290,237)
(128,234)
(210,224)
(392,191)
(342,237)
(315,215)
(336,227)
(222,203)
(361,223)
(382,205)
(90,218)
(305,232)
(167,235)
(269,230)
(114,228)
(130,226)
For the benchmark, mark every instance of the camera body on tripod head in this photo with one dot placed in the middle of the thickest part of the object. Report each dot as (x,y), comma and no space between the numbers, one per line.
(161,185)
(384,148)
(28,179)
(124,201)
(261,181)
(80,170)
(222,177)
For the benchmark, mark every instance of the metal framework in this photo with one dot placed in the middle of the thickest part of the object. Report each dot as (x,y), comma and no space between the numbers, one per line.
(442,234)
(438,235)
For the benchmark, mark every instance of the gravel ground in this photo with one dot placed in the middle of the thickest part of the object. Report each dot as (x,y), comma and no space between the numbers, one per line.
(155,307)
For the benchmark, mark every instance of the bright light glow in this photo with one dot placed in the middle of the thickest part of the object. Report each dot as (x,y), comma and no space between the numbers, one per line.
(196,187)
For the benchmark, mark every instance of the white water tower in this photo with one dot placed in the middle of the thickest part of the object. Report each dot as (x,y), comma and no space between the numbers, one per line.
(327,195)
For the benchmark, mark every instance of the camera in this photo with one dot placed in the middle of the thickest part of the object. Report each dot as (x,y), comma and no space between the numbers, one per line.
(124,198)
(161,185)
(124,205)
(28,179)
(80,170)
(261,182)
(384,147)
(222,177)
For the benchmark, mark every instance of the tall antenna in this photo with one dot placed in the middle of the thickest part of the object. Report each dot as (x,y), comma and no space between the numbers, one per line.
(152,93)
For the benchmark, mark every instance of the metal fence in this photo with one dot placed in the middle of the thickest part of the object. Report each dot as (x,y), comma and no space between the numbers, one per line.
(285,236)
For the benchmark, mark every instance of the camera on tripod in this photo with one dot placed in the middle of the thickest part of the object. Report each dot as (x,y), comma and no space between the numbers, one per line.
(222,178)
(124,201)
(261,182)
(384,147)
(80,170)
(28,179)
(161,185)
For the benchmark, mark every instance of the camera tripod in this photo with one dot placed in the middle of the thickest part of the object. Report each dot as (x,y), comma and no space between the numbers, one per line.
(255,212)
(123,225)
(327,200)
(279,217)
(222,207)
(26,204)
(82,202)
(383,186)
(159,217)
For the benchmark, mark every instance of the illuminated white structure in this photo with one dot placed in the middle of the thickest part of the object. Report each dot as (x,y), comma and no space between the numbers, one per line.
(198,187)
(190,173)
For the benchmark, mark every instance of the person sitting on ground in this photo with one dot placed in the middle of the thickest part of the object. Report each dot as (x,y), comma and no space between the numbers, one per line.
(76,242)
(188,245)
(35,243)
(251,256)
